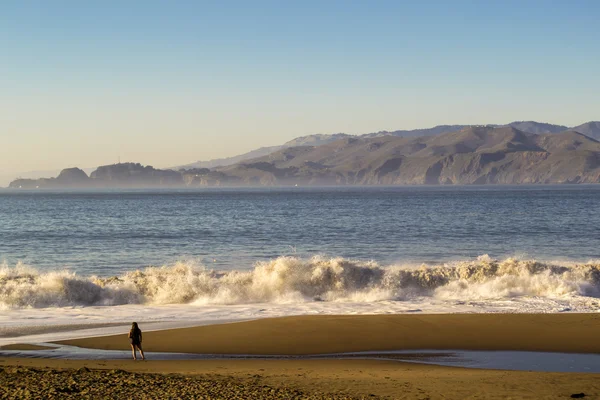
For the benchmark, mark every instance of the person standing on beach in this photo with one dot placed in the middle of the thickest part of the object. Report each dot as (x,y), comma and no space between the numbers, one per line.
(135,339)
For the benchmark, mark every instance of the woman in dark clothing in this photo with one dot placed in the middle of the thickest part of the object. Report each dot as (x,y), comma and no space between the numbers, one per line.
(135,338)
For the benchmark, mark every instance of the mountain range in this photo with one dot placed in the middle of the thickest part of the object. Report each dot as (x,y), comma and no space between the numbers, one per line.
(591,129)
(472,155)
(517,153)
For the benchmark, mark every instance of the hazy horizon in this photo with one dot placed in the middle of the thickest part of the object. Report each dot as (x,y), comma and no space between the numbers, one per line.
(169,84)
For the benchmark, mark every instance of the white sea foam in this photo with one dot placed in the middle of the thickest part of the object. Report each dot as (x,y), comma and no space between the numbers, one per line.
(291,280)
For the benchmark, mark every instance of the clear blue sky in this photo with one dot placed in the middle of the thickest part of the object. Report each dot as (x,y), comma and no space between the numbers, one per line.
(171,82)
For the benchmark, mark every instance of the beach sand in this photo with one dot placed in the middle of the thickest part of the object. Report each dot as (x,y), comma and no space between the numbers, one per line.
(575,333)
(326,378)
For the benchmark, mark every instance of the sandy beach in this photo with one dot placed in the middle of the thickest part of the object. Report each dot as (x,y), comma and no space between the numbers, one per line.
(301,335)
(328,378)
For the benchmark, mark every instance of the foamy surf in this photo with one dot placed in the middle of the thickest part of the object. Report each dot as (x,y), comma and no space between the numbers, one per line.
(308,282)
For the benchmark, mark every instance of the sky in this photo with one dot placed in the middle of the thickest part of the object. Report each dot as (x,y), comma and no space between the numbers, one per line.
(165,83)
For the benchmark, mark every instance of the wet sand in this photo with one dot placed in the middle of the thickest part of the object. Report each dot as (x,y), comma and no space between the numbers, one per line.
(16,331)
(327,378)
(301,335)
(24,346)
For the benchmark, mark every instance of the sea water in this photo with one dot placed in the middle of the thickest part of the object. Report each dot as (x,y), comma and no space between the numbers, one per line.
(191,256)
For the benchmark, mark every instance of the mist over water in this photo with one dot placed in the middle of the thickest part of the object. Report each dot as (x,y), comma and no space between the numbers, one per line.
(330,249)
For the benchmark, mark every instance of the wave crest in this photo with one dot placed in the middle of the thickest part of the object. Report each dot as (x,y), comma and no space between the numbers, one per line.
(291,279)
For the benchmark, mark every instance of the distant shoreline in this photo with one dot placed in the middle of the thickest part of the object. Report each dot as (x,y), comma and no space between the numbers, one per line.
(294,187)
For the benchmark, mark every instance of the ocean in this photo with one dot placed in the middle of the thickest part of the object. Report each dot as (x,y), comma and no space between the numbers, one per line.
(191,256)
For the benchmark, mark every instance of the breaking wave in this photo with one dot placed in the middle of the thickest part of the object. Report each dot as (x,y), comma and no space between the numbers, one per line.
(291,279)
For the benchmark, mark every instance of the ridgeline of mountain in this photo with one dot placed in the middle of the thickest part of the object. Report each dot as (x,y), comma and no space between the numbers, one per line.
(537,127)
(218,162)
(310,140)
(591,129)
(436,130)
(472,155)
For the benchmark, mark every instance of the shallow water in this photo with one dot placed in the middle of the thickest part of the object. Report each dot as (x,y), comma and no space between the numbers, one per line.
(505,360)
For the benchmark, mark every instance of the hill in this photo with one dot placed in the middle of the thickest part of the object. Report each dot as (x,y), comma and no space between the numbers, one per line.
(473,155)
(591,129)
(115,175)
